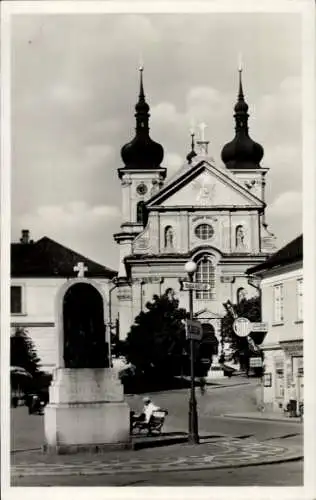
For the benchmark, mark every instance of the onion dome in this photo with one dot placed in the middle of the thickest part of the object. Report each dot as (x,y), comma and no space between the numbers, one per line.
(242,151)
(192,153)
(142,152)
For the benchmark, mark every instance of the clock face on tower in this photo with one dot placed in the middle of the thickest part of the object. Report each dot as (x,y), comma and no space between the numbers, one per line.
(141,188)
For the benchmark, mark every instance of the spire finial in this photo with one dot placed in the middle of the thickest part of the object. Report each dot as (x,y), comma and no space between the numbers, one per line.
(192,153)
(240,70)
(141,84)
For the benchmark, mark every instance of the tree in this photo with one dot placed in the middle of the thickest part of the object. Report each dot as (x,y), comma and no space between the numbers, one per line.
(23,353)
(250,309)
(156,342)
(157,346)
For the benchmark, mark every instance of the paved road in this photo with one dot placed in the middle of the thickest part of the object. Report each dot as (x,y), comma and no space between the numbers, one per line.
(258,441)
(28,432)
(285,474)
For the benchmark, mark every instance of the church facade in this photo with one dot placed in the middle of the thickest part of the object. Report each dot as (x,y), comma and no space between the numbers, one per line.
(211,214)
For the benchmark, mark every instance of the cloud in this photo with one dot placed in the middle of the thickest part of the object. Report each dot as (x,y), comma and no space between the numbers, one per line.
(280,111)
(97,153)
(286,205)
(173,162)
(74,87)
(74,216)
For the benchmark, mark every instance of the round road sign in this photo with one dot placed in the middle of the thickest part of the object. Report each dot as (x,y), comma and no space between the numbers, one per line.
(242,327)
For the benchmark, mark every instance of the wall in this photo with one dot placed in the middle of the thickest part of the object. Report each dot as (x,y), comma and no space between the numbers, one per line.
(290,328)
(38,317)
(283,344)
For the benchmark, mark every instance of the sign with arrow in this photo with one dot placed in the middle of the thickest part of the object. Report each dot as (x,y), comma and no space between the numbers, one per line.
(199,287)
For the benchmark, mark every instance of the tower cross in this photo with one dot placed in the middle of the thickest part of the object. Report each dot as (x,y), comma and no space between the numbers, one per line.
(80,268)
(202,127)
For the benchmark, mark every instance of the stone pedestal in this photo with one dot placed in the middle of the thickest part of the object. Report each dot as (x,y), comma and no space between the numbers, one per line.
(86,411)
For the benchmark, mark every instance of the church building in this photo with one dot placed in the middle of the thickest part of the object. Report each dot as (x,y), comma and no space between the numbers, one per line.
(211,214)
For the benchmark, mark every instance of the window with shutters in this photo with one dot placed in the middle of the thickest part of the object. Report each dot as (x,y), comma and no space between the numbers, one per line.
(278,314)
(299,299)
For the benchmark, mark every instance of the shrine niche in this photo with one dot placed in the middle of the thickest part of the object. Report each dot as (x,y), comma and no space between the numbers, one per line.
(240,237)
(169,238)
(84,343)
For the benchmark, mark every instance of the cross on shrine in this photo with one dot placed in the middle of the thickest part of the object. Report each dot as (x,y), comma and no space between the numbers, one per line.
(80,268)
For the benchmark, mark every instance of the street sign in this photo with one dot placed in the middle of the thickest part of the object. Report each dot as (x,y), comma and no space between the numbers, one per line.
(242,327)
(200,287)
(255,362)
(193,330)
(259,327)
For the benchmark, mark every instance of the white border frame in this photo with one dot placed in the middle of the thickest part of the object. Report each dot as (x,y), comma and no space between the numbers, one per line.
(307,10)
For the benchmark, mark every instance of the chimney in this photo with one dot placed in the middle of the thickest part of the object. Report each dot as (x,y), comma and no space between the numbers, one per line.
(25,236)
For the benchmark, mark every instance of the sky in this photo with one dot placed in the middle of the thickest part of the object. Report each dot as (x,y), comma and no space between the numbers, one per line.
(74,85)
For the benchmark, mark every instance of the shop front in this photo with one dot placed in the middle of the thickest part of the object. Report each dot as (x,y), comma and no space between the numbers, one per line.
(294,372)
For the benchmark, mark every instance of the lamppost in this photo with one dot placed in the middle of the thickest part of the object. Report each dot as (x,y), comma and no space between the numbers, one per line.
(190,268)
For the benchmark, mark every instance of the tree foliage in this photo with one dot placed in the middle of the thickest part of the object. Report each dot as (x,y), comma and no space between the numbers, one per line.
(156,341)
(23,352)
(250,309)
(156,344)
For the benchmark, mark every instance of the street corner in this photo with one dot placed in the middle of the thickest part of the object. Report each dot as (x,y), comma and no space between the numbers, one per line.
(225,453)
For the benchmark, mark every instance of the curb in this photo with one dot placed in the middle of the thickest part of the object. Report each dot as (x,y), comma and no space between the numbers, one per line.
(264,419)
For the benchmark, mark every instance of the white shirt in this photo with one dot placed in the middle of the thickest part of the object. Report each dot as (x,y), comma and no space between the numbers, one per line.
(148,410)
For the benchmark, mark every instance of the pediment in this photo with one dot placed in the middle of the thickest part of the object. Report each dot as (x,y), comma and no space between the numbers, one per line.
(205,186)
(206,314)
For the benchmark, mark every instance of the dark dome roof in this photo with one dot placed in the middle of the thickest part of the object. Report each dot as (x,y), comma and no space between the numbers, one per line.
(142,152)
(242,151)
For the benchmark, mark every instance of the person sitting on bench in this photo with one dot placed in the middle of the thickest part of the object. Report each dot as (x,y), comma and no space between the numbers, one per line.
(149,408)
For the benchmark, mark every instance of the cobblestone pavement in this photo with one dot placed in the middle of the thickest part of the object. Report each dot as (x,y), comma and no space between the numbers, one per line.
(222,454)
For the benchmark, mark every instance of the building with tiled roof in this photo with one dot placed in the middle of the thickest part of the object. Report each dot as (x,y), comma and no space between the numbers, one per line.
(281,283)
(38,270)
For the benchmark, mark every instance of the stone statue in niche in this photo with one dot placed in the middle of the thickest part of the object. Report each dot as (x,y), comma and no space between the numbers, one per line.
(240,238)
(168,237)
(155,187)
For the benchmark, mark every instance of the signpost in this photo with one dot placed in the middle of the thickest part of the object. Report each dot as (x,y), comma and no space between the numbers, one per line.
(193,330)
(196,286)
(242,327)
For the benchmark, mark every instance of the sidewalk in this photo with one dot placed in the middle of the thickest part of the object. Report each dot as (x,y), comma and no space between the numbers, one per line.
(278,417)
(221,382)
(212,453)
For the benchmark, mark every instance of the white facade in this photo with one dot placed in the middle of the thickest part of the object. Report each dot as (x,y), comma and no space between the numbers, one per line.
(38,314)
(207,214)
(282,310)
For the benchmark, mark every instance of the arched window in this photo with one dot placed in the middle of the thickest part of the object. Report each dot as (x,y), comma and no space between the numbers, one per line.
(168,243)
(205,273)
(141,214)
(240,237)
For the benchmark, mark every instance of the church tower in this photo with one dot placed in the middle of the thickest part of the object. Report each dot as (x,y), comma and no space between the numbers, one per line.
(141,177)
(242,157)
